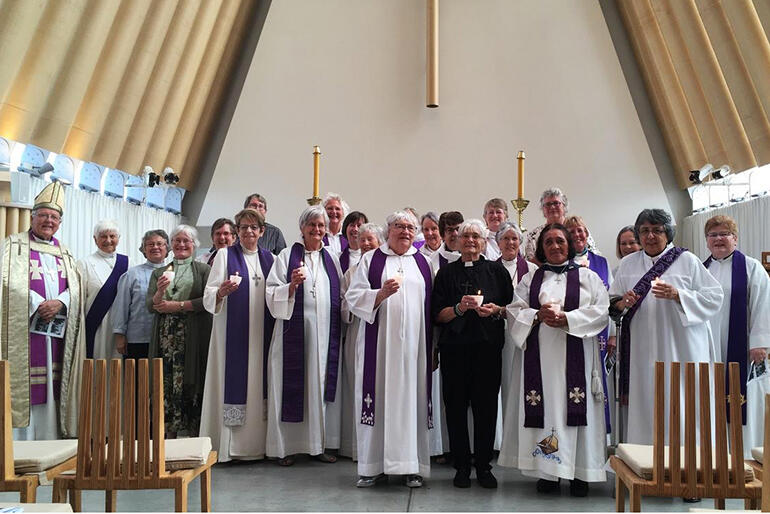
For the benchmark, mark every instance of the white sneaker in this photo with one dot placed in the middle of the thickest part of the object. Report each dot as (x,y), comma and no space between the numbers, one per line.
(369,481)
(414,481)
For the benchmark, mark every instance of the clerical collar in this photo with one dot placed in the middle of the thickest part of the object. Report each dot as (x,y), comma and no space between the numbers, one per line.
(584,252)
(560,268)
(470,264)
(724,258)
(40,240)
(182,262)
(155,264)
(249,252)
(105,255)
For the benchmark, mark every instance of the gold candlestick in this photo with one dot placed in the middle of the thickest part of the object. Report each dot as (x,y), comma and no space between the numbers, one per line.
(316,199)
(520,157)
(520,204)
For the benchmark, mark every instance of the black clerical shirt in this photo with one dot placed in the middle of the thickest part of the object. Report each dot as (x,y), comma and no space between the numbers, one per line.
(456,279)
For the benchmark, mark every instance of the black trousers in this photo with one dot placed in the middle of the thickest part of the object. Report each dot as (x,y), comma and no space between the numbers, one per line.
(470,376)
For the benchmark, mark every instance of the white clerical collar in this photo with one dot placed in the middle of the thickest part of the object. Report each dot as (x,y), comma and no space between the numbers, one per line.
(726,259)
(155,264)
(388,251)
(105,255)
(668,247)
(46,241)
(445,252)
(354,252)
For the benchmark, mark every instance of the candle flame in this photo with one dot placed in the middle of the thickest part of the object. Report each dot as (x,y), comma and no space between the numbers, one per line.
(479,292)
(237,273)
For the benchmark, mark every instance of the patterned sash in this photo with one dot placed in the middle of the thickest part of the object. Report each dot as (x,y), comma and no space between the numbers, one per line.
(103,302)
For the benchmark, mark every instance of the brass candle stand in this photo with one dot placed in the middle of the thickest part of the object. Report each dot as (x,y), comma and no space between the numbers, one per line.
(520,204)
(315,200)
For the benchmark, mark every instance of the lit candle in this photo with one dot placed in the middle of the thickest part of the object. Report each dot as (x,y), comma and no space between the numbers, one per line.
(399,277)
(316,170)
(303,270)
(520,157)
(478,298)
(236,278)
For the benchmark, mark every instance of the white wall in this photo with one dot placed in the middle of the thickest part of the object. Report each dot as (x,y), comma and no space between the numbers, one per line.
(349,75)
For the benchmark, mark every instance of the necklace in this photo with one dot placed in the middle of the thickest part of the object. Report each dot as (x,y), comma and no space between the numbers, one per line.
(252,271)
(174,287)
(312,269)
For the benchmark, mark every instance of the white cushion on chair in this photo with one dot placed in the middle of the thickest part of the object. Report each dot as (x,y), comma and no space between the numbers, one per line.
(37,456)
(189,452)
(757,453)
(640,458)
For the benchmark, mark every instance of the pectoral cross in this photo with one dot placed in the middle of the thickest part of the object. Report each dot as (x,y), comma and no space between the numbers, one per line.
(468,287)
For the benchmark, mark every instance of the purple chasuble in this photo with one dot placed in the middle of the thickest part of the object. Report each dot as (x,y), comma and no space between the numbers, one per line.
(598,265)
(376,267)
(237,335)
(738,335)
(534,410)
(641,288)
(37,342)
(292,404)
(103,302)
(345,260)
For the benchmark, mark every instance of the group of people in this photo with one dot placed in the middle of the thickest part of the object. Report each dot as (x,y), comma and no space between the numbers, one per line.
(388,344)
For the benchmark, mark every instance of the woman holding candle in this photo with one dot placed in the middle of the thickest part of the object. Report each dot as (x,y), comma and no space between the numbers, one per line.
(336,210)
(233,413)
(554,319)
(667,320)
(303,294)
(469,299)
(181,331)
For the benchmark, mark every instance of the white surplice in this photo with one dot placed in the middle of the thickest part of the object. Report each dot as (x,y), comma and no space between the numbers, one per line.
(398,443)
(307,436)
(335,243)
(492,251)
(247,441)
(349,415)
(581,450)
(426,251)
(94,271)
(664,330)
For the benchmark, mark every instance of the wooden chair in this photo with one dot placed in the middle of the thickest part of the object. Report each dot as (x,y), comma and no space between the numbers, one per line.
(39,462)
(668,477)
(137,461)
(762,455)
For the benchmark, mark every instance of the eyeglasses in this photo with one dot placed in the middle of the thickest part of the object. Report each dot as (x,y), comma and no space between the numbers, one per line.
(655,231)
(551,205)
(52,217)
(254,228)
(150,244)
(471,235)
(401,226)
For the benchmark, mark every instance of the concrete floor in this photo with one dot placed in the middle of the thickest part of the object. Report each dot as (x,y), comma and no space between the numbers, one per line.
(314,486)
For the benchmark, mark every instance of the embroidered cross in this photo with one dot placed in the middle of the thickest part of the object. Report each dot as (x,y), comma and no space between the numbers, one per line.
(576,395)
(35,269)
(533,398)
(61,269)
(368,401)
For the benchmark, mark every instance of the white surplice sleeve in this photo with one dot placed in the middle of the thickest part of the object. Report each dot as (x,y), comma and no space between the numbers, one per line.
(701,301)
(360,297)
(759,304)
(279,302)
(521,317)
(217,275)
(589,319)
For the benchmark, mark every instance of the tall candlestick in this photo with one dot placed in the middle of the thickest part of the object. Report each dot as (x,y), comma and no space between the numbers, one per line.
(520,157)
(316,170)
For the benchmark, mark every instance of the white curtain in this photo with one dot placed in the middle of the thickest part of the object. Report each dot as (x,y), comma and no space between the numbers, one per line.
(82,210)
(752,218)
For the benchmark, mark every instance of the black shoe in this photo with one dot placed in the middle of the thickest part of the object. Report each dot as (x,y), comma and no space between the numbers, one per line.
(691,500)
(578,488)
(547,486)
(462,478)
(486,479)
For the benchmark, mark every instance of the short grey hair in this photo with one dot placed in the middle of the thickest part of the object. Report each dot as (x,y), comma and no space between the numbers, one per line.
(474,225)
(372,228)
(334,196)
(188,231)
(399,216)
(103,226)
(312,212)
(431,216)
(506,227)
(152,233)
(655,217)
(554,191)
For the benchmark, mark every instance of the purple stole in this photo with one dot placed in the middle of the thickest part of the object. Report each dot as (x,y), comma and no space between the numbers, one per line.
(521,267)
(294,340)
(237,335)
(343,241)
(210,260)
(37,344)
(418,244)
(345,260)
(641,288)
(534,411)
(103,302)
(738,335)
(598,265)
(376,267)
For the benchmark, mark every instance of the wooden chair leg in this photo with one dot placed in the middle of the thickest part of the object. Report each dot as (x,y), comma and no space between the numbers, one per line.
(28,491)
(635,499)
(180,503)
(76,500)
(205,483)
(110,501)
(719,503)
(620,495)
(751,503)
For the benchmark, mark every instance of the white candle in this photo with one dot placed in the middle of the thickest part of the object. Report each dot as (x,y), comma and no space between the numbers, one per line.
(303,270)
(656,281)
(169,275)
(236,278)
(555,304)
(478,298)
(399,277)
